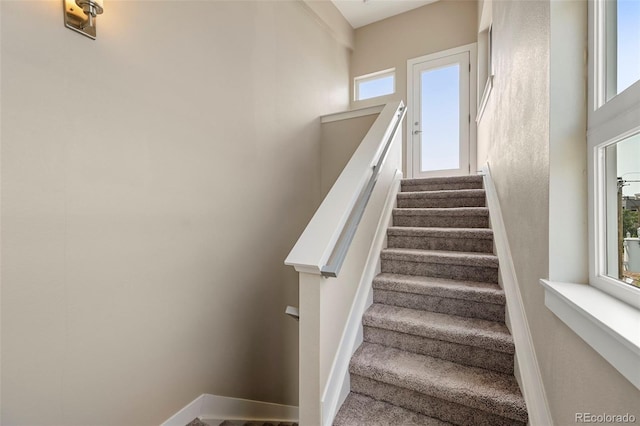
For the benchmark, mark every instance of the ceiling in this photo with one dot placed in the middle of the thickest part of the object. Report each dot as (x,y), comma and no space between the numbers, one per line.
(363,12)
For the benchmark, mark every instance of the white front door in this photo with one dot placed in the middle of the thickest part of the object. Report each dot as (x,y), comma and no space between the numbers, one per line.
(439,116)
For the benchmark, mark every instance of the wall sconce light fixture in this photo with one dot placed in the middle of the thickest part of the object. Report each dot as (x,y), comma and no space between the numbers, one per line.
(80,15)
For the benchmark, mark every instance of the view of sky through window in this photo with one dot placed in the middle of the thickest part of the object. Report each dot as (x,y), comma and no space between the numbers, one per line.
(374,88)
(628,43)
(440,117)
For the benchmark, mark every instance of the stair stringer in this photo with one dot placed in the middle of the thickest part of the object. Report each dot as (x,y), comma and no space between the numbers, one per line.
(527,369)
(338,383)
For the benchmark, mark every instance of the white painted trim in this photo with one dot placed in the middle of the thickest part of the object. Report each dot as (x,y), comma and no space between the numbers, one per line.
(531,379)
(186,414)
(354,113)
(472,48)
(473,108)
(338,385)
(208,406)
(608,325)
(485,98)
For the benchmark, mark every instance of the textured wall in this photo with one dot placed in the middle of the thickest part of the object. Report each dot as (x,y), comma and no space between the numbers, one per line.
(514,137)
(153,181)
(339,141)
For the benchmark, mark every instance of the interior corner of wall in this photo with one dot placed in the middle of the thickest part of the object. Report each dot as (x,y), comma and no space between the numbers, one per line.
(329,17)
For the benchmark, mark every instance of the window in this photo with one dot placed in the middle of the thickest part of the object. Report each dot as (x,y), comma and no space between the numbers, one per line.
(622,193)
(485,73)
(614,147)
(376,84)
(605,314)
(490,51)
(621,45)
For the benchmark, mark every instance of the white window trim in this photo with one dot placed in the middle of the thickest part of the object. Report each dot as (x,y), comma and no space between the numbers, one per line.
(608,122)
(373,76)
(605,313)
(597,217)
(490,73)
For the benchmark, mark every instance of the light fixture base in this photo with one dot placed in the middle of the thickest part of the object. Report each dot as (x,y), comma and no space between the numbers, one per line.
(75,19)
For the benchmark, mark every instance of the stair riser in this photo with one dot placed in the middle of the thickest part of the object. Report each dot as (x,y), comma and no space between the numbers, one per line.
(461,354)
(429,202)
(431,221)
(441,186)
(434,407)
(460,307)
(448,244)
(439,270)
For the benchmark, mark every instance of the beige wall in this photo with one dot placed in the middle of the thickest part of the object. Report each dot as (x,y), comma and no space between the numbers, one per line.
(328,16)
(514,134)
(339,141)
(391,42)
(153,182)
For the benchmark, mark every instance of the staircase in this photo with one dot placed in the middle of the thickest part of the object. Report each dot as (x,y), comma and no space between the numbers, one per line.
(436,350)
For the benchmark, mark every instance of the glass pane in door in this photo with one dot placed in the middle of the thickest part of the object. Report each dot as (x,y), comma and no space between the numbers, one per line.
(440,118)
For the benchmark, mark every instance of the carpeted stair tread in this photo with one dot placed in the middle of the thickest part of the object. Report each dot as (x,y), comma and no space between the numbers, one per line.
(441,287)
(454,265)
(478,240)
(451,211)
(435,407)
(447,193)
(467,331)
(461,298)
(360,410)
(431,184)
(440,256)
(253,423)
(447,179)
(442,199)
(441,217)
(425,232)
(470,386)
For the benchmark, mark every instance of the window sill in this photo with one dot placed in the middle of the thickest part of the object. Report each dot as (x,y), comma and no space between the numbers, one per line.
(609,326)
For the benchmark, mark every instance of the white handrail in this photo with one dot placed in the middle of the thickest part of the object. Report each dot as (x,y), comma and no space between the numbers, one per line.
(324,243)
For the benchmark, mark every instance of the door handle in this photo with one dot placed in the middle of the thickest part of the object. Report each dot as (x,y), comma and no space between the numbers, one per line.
(415,132)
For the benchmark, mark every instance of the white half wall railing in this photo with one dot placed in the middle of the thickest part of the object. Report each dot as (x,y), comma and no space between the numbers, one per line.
(334,259)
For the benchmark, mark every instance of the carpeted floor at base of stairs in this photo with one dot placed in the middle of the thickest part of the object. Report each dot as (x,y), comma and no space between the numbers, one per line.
(436,350)
(207,422)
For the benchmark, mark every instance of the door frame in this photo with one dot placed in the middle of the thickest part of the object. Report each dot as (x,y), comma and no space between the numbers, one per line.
(473,104)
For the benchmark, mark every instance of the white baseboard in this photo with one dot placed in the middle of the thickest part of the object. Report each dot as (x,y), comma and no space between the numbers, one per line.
(338,384)
(527,363)
(208,406)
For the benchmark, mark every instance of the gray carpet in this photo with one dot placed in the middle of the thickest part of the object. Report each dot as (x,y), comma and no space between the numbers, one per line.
(198,422)
(436,350)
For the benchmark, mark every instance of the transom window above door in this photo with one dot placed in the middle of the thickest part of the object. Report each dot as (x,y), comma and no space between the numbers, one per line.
(380,83)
